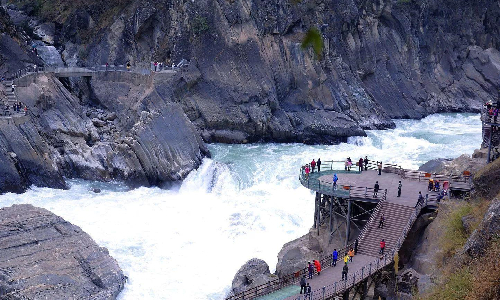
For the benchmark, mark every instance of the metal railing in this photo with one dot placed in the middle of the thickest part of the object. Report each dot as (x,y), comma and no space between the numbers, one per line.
(100,68)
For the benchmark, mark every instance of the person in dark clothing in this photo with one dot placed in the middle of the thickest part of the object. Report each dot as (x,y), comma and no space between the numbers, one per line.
(310,269)
(376,188)
(399,188)
(313,166)
(303,283)
(379,167)
(345,269)
(356,247)
(381,222)
(319,164)
(308,291)
(360,164)
(366,163)
(420,198)
(335,256)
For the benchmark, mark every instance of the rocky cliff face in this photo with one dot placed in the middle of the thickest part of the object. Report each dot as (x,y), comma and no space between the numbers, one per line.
(44,257)
(381,60)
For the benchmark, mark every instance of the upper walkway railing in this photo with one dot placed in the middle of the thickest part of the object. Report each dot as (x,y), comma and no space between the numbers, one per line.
(92,69)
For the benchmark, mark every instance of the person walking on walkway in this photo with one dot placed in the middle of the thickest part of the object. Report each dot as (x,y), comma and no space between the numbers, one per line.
(420,198)
(381,222)
(345,269)
(382,246)
(376,187)
(313,166)
(351,254)
(399,188)
(317,264)
(310,269)
(379,167)
(308,292)
(335,179)
(303,283)
(335,256)
(360,164)
(319,164)
(356,247)
(366,163)
(346,258)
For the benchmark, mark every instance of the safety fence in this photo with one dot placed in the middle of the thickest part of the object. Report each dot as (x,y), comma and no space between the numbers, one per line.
(100,68)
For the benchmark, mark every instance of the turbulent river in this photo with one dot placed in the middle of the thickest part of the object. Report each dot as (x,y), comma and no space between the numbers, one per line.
(245,202)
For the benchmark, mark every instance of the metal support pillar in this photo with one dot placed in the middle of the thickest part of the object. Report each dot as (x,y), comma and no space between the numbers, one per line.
(348,222)
(489,144)
(331,209)
(316,212)
(318,196)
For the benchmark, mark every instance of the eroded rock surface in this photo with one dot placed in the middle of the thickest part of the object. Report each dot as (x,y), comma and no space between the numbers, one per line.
(253,273)
(42,256)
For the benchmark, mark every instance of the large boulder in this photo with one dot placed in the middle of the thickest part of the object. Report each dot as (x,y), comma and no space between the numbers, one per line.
(253,273)
(42,256)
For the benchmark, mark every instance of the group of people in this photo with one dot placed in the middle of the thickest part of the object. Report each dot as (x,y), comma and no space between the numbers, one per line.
(493,110)
(434,185)
(17,107)
(310,167)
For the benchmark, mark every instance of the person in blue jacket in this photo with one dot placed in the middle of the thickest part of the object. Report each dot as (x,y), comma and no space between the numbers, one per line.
(335,179)
(335,255)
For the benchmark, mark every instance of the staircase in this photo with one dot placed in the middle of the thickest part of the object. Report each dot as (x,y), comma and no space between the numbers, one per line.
(396,219)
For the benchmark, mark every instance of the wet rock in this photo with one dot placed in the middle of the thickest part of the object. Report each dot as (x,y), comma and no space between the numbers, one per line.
(42,256)
(253,273)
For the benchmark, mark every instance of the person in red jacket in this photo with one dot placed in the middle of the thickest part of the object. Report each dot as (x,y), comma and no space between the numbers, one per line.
(382,246)
(313,165)
(318,266)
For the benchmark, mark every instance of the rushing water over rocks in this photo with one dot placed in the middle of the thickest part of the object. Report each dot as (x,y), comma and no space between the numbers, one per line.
(188,242)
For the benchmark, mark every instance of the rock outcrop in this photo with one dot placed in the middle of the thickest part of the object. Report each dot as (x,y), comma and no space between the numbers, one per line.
(253,273)
(123,127)
(42,256)
(489,229)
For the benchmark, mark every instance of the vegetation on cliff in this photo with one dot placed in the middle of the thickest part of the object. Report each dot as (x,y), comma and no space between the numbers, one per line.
(470,245)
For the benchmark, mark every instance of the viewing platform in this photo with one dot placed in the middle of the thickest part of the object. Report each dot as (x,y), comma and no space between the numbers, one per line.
(353,203)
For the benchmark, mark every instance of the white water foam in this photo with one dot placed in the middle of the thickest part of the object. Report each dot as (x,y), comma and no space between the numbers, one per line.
(244,202)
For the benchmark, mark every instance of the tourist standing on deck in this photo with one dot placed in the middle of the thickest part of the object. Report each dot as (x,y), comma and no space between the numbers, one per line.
(308,291)
(345,269)
(346,258)
(399,188)
(307,171)
(382,246)
(310,269)
(376,187)
(319,164)
(360,164)
(335,179)
(381,222)
(351,254)
(335,256)
(379,167)
(356,247)
(349,164)
(366,163)
(303,283)
(313,166)
(317,264)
